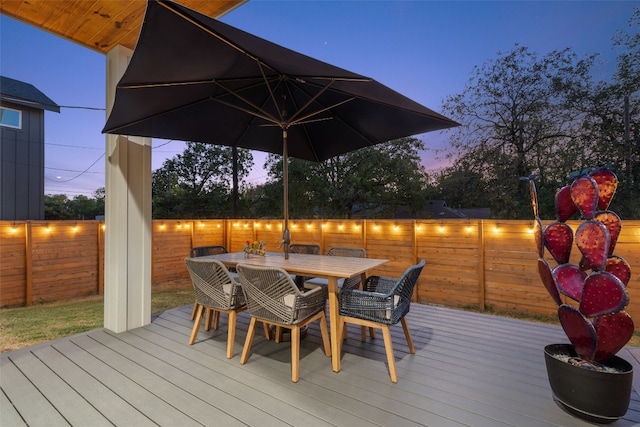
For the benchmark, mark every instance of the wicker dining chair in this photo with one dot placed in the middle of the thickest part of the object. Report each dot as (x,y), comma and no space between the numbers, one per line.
(205,251)
(307,249)
(273,298)
(382,302)
(216,292)
(351,282)
(208,250)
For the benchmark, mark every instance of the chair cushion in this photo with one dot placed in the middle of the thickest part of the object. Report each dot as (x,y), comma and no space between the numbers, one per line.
(290,300)
(389,312)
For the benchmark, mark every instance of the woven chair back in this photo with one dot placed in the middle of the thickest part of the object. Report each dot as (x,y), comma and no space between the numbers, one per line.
(345,251)
(308,249)
(273,296)
(213,284)
(207,250)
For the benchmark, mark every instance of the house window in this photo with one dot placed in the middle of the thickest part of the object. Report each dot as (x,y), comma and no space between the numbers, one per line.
(10,118)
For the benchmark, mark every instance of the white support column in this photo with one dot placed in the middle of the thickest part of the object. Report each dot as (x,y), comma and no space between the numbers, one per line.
(127,263)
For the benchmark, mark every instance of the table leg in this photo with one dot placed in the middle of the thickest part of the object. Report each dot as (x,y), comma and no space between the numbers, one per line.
(334,323)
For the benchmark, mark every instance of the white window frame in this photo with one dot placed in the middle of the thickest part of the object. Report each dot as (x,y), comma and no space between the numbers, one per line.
(9,125)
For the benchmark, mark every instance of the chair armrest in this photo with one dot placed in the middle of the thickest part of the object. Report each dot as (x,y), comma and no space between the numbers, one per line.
(365,300)
(310,302)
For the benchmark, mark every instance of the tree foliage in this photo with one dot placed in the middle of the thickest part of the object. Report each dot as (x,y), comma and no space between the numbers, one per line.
(60,207)
(198,182)
(517,118)
(371,182)
(524,114)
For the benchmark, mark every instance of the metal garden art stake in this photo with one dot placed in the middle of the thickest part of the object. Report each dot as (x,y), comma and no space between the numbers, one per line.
(591,297)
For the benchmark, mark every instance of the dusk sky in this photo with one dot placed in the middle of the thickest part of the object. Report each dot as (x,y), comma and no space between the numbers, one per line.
(425,50)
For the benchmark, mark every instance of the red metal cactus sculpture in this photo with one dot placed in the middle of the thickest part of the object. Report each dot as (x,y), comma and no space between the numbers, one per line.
(591,295)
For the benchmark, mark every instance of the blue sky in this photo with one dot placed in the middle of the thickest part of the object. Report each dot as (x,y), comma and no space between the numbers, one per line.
(425,50)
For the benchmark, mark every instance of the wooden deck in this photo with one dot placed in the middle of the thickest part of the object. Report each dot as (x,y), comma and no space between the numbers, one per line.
(469,370)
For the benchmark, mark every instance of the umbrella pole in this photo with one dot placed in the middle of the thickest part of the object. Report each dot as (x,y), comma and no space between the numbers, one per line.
(286,236)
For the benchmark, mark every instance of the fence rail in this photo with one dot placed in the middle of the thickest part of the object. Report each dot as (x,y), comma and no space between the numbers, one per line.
(481,263)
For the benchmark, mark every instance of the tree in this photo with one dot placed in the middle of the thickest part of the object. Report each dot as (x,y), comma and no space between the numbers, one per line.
(371,182)
(197,182)
(59,206)
(55,207)
(518,117)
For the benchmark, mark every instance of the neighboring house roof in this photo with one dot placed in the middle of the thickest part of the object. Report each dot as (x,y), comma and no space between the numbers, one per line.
(26,94)
(476,213)
(439,209)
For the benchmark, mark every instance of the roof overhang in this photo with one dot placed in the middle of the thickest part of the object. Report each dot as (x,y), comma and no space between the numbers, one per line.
(99,25)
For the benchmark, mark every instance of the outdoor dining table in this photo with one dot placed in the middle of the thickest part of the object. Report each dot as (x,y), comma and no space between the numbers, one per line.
(331,268)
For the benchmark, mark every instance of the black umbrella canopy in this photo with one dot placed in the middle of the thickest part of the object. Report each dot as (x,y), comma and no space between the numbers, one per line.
(194,78)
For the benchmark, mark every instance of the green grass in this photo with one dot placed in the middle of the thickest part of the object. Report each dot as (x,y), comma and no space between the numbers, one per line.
(24,326)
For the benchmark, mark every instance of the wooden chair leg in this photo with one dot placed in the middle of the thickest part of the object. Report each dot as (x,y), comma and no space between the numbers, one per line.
(196,325)
(388,346)
(231,333)
(247,342)
(407,335)
(278,336)
(216,320)
(267,331)
(295,353)
(207,323)
(363,333)
(194,310)
(325,335)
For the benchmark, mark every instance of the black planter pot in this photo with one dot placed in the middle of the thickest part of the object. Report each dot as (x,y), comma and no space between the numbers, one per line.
(600,397)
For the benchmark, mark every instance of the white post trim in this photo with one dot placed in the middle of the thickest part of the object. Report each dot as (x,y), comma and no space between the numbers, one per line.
(127,264)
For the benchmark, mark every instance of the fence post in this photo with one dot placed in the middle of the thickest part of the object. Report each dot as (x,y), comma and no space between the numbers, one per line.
(481,266)
(28,263)
(101,229)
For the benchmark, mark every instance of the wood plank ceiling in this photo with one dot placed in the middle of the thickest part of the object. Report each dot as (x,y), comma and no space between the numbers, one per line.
(98,24)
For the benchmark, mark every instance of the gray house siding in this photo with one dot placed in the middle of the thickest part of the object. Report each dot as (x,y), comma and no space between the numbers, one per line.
(22,166)
(22,151)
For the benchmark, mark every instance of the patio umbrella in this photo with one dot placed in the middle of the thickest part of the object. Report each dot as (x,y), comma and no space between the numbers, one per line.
(194,78)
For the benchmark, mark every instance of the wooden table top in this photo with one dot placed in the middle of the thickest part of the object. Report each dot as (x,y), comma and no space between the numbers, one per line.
(303,264)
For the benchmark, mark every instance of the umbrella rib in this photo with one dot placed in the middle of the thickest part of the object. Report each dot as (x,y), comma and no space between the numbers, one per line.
(313,98)
(303,119)
(271,94)
(258,112)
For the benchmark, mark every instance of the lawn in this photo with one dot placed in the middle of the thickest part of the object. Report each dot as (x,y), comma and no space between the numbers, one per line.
(24,326)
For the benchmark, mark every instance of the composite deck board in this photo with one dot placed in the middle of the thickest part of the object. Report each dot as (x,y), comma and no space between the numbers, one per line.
(470,369)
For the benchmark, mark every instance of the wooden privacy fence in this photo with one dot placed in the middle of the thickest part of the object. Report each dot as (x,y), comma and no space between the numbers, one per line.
(481,263)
